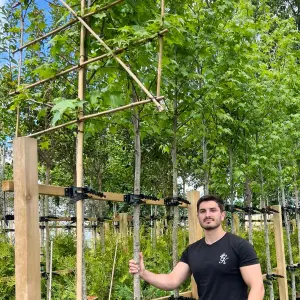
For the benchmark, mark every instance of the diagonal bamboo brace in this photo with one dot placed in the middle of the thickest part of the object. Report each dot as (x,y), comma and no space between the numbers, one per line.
(131,74)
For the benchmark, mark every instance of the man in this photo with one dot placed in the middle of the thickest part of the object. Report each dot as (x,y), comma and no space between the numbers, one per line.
(224,265)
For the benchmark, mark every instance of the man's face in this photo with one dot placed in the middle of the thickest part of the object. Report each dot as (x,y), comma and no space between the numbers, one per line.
(210,215)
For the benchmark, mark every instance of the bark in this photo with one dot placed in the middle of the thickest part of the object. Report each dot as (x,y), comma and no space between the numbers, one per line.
(206,175)
(248,202)
(137,191)
(175,192)
(47,229)
(101,208)
(231,185)
(287,227)
(267,242)
(297,207)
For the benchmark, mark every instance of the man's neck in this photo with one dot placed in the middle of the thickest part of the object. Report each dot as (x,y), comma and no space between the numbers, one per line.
(212,236)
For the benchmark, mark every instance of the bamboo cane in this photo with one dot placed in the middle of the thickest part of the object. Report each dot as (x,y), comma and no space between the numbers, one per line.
(67,25)
(95,115)
(50,271)
(80,283)
(113,269)
(92,60)
(127,69)
(160,54)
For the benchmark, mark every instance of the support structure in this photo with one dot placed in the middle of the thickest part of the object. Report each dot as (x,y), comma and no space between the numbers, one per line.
(27,239)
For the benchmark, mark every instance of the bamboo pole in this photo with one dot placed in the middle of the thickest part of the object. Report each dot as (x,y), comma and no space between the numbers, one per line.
(19,71)
(80,284)
(67,25)
(95,115)
(127,69)
(50,272)
(92,60)
(160,54)
(113,269)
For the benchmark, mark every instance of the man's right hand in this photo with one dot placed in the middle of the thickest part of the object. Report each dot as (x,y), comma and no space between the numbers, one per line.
(135,267)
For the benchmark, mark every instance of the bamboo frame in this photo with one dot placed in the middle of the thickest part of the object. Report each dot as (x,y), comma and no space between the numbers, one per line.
(82,64)
(123,65)
(95,115)
(80,269)
(160,54)
(66,25)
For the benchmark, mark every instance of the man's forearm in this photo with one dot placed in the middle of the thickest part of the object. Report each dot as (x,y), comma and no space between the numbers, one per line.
(256,293)
(161,281)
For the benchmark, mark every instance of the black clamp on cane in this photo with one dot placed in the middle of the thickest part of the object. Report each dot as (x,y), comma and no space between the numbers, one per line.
(81,193)
(7,218)
(175,201)
(293,268)
(134,199)
(268,210)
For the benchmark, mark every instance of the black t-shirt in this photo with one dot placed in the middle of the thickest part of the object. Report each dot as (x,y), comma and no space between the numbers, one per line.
(216,267)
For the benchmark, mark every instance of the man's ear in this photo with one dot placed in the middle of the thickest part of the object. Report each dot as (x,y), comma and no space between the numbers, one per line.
(223,214)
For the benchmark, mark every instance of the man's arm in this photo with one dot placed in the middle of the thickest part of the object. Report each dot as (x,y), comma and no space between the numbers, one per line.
(253,278)
(166,282)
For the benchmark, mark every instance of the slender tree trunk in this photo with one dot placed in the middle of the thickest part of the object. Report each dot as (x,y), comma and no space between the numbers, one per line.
(231,185)
(2,195)
(47,229)
(297,208)
(101,208)
(175,192)
(137,191)
(248,202)
(204,147)
(266,231)
(287,227)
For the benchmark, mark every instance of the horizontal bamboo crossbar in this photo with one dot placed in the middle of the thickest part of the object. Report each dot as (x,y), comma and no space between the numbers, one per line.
(51,190)
(67,25)
(95,115)
(92,60)
(183,294)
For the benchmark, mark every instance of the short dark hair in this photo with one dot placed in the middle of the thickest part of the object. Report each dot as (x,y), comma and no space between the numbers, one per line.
(215,198)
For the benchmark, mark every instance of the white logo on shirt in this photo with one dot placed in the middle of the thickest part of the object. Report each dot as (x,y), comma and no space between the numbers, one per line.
(223,258)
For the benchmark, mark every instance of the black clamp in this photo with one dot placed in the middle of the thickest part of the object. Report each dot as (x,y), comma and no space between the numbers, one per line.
(175,201)
(47,218)
(268,210)
(134,199)
(181,298)
(293,268)
(102,219)
(273,276)
(7,218)
(288,209)
(80,193)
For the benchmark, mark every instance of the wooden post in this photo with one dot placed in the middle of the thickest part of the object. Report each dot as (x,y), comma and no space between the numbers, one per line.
(27,239)
(195,231)
(236,222)
(280,255)
(123,225)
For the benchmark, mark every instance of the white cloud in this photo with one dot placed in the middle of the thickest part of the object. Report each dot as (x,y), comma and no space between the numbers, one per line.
(2,2)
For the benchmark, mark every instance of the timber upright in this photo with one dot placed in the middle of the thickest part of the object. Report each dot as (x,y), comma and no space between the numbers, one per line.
(27,238)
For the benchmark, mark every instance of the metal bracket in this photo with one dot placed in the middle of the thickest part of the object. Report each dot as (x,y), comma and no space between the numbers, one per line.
(134,199)
(81,193)
(175,201)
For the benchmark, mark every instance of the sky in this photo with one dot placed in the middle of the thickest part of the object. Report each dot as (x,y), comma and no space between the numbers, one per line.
(2,2)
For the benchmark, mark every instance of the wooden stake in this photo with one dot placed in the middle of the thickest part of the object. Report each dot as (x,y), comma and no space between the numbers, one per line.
(27,239)
(195,231)
(123,225)
(123,65)
(280,253)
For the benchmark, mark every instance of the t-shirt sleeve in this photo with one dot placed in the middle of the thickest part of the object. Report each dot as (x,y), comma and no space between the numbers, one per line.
(185,257)
(247,254)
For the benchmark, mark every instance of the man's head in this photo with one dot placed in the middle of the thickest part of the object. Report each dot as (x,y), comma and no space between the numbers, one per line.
(211,212)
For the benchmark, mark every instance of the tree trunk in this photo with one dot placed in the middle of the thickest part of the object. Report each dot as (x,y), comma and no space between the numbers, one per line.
(101,208)
(287,227)
(231,185)
(175,193)
(204,147)
(248,203)
(137,191)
